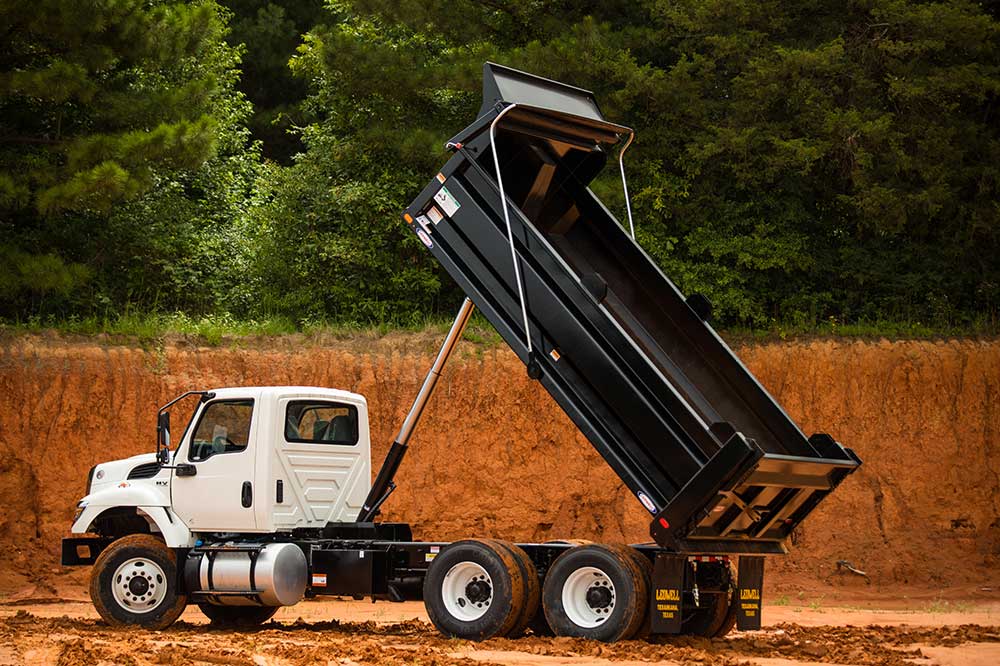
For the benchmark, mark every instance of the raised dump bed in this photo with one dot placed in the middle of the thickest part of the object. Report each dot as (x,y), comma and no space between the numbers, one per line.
(708,452)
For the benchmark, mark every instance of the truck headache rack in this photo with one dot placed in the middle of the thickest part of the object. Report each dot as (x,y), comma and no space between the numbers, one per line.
(706,450)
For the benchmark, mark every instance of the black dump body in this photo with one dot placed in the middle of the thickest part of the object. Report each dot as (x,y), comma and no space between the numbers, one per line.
(703,446)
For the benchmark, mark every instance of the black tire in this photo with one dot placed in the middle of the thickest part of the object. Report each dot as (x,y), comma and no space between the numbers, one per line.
(646,569)
(237,616)
(492,607)
(538,625)
(531,586)
(729,621)
(134,583)
(618,588)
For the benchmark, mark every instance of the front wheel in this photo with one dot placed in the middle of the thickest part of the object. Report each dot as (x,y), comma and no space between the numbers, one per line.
(134,582)
(237,616)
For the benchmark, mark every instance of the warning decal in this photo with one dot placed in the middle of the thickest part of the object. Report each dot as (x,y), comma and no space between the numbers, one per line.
(447,202)
(434,214)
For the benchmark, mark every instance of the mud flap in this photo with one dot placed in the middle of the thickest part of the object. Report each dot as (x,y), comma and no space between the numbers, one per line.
(750,583)
(665,597)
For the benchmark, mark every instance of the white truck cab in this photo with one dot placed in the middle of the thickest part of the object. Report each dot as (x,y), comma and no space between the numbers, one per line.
(252,460)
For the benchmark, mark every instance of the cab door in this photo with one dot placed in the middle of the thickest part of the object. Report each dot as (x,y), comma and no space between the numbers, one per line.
(212,488)
(321,465)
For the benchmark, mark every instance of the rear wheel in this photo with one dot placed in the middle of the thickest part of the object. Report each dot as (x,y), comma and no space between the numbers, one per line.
(474,589)
(237,616)
(538,625)
(716,613)
(531,587)
(646,569)
(595,591)
(729,621)
(134,582)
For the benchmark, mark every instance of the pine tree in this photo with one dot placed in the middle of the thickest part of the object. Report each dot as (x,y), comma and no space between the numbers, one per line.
(104,105)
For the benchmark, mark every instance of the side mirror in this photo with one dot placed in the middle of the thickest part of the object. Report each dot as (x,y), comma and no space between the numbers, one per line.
(163,438)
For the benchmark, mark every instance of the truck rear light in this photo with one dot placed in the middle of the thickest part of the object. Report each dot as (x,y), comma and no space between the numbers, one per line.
(664,524)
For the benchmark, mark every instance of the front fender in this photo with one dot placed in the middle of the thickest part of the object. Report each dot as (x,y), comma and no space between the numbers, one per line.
(148,500)
(130,493)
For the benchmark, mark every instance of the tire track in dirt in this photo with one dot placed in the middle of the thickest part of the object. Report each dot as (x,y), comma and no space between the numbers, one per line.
(78,641)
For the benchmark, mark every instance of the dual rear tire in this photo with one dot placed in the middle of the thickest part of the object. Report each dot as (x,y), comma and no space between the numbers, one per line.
(477,589)
(596,591)
(483,588)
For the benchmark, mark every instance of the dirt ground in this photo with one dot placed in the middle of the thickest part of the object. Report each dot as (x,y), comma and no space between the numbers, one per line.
(68,632)
(921,517)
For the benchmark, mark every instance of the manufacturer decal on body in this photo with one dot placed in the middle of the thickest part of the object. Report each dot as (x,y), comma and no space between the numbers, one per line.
(668,602)
(750,601)
(648,503)
(423,231)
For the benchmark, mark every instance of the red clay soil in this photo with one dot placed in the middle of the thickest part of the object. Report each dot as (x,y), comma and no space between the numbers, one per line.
(27,638)
(495,456)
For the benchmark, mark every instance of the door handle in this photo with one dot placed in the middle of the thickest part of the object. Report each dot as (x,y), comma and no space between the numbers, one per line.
(246,497)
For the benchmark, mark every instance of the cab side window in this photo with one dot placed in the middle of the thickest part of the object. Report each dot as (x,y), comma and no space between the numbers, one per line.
(224,427)
(314,422)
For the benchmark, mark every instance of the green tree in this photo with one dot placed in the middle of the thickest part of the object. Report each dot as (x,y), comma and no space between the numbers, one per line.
(120,144)
(819,159)
(795,161)
(270,32)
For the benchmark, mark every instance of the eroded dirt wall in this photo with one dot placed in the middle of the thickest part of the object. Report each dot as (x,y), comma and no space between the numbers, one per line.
(495,456)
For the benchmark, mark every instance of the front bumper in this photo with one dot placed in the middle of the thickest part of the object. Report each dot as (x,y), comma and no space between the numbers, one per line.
(77,551)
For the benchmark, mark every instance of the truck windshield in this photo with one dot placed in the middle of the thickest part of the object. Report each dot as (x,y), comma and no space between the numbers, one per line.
(224,427)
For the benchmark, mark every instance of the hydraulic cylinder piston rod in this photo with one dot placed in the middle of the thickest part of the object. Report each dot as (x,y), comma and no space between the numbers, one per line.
(384,484)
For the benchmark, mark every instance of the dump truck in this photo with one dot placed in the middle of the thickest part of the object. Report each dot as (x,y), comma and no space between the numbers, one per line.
(267,496)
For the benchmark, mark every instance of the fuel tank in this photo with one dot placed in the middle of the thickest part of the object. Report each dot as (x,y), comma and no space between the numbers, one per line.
(271,574)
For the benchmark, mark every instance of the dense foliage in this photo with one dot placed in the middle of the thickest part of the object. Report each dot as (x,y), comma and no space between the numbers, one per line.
(796,161)
(124,164)
(269,32)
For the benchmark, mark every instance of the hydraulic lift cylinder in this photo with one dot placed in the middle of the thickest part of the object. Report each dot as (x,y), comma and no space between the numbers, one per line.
(384,484)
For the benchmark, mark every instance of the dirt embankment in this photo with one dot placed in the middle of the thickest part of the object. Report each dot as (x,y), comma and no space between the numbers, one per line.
(495,456)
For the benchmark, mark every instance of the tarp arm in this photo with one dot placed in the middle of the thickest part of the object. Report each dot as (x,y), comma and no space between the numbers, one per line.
(506,219)
(621,167)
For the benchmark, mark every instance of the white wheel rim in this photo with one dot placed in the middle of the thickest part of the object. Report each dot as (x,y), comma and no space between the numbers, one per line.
(583,583)
(467,591)
(139,585)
